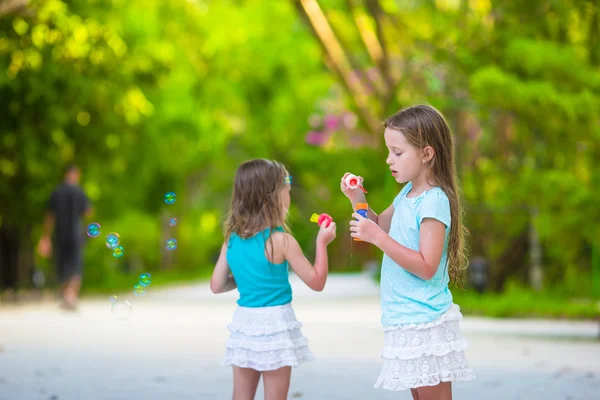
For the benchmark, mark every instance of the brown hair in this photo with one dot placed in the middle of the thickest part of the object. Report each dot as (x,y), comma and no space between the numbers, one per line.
(423,125)
(256,198)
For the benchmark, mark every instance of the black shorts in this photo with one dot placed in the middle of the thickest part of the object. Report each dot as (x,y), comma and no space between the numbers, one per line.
(68,260)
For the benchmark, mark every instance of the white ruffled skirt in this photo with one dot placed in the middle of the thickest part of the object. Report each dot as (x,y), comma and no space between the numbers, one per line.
(417,355)
(266,339)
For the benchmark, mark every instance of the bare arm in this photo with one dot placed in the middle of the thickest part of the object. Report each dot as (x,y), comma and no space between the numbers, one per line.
(44,247)
(423,263)
(222,280)
(48,223)
(315,276)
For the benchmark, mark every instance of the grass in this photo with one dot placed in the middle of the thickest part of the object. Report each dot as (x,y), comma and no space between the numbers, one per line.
(525,303)
(518,301)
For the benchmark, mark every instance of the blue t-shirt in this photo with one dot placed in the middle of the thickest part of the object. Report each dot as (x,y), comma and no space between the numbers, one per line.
(259,282)
(406,298)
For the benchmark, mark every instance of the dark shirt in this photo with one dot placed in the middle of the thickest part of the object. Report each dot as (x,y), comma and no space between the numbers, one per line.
(68,203)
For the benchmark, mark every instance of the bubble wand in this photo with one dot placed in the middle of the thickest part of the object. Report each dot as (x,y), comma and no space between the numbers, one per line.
(320,219)
(352,182)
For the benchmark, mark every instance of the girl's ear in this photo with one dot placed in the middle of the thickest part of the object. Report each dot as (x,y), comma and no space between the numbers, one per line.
(428,153)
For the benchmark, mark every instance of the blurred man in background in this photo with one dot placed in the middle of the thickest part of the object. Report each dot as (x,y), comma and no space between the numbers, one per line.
(67,206)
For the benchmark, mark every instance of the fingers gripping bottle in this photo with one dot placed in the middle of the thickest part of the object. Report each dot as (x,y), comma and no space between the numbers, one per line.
(362,209)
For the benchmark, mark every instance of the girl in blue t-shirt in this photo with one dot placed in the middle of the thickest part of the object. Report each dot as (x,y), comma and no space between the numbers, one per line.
(422,237)
(265,335)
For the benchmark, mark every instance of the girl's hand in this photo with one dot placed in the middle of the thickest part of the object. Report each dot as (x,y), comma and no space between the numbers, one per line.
(365,229)
(354,195)
(326,235)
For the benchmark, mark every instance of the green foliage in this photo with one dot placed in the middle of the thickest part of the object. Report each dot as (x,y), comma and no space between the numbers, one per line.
(153,96)
(520,302)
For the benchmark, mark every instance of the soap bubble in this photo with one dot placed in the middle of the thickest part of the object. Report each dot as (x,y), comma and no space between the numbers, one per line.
(120,309)
(112,240)
(170,197)
(145,279)
(118,251)
(171,244)
(173,222)
(93,229)
(139,290)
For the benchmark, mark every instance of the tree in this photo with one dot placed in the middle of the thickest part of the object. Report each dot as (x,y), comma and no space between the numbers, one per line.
(518,82)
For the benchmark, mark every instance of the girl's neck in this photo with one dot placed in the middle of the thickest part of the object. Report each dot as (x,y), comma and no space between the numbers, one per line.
(421,184)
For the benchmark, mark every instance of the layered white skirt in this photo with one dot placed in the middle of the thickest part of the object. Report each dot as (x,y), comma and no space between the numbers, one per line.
(266,339)
(416,355)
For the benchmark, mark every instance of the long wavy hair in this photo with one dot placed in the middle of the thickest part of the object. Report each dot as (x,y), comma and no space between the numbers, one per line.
(256,199)
(423,126)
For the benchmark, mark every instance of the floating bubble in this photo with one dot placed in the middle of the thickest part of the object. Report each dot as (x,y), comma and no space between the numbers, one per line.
(171,244)
(120,309)
(93,229)
(139,290)
(112,240)
(145,279)
(173,222)
(170,197)
(118,251)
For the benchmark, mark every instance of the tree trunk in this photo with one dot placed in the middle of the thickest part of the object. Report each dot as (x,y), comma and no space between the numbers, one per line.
(535,252)
(9,257)
(511,262)
(10,6)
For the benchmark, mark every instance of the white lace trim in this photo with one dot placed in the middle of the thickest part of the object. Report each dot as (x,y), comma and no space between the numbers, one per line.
(267,360)
(264,320)
(266,339)
(263,329)
(453,314)
(438,349)
(399,374)
(397,384)
(436,340)
(266,346)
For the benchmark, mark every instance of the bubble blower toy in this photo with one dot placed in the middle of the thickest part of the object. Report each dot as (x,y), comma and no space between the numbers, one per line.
(320,219)
(363,210)
(352,182)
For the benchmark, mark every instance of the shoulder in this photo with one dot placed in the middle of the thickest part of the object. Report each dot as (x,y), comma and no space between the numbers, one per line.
(58,193)
(59,190)
(435,204)
(436,195)
(282,239)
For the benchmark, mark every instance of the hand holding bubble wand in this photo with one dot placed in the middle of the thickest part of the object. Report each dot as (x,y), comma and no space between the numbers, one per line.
(321,219)
(353,182)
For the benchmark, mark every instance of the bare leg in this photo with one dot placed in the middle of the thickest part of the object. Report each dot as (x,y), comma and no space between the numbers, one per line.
(277,383)
(442,391)
(415,394)
(71,291)
(245,382)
